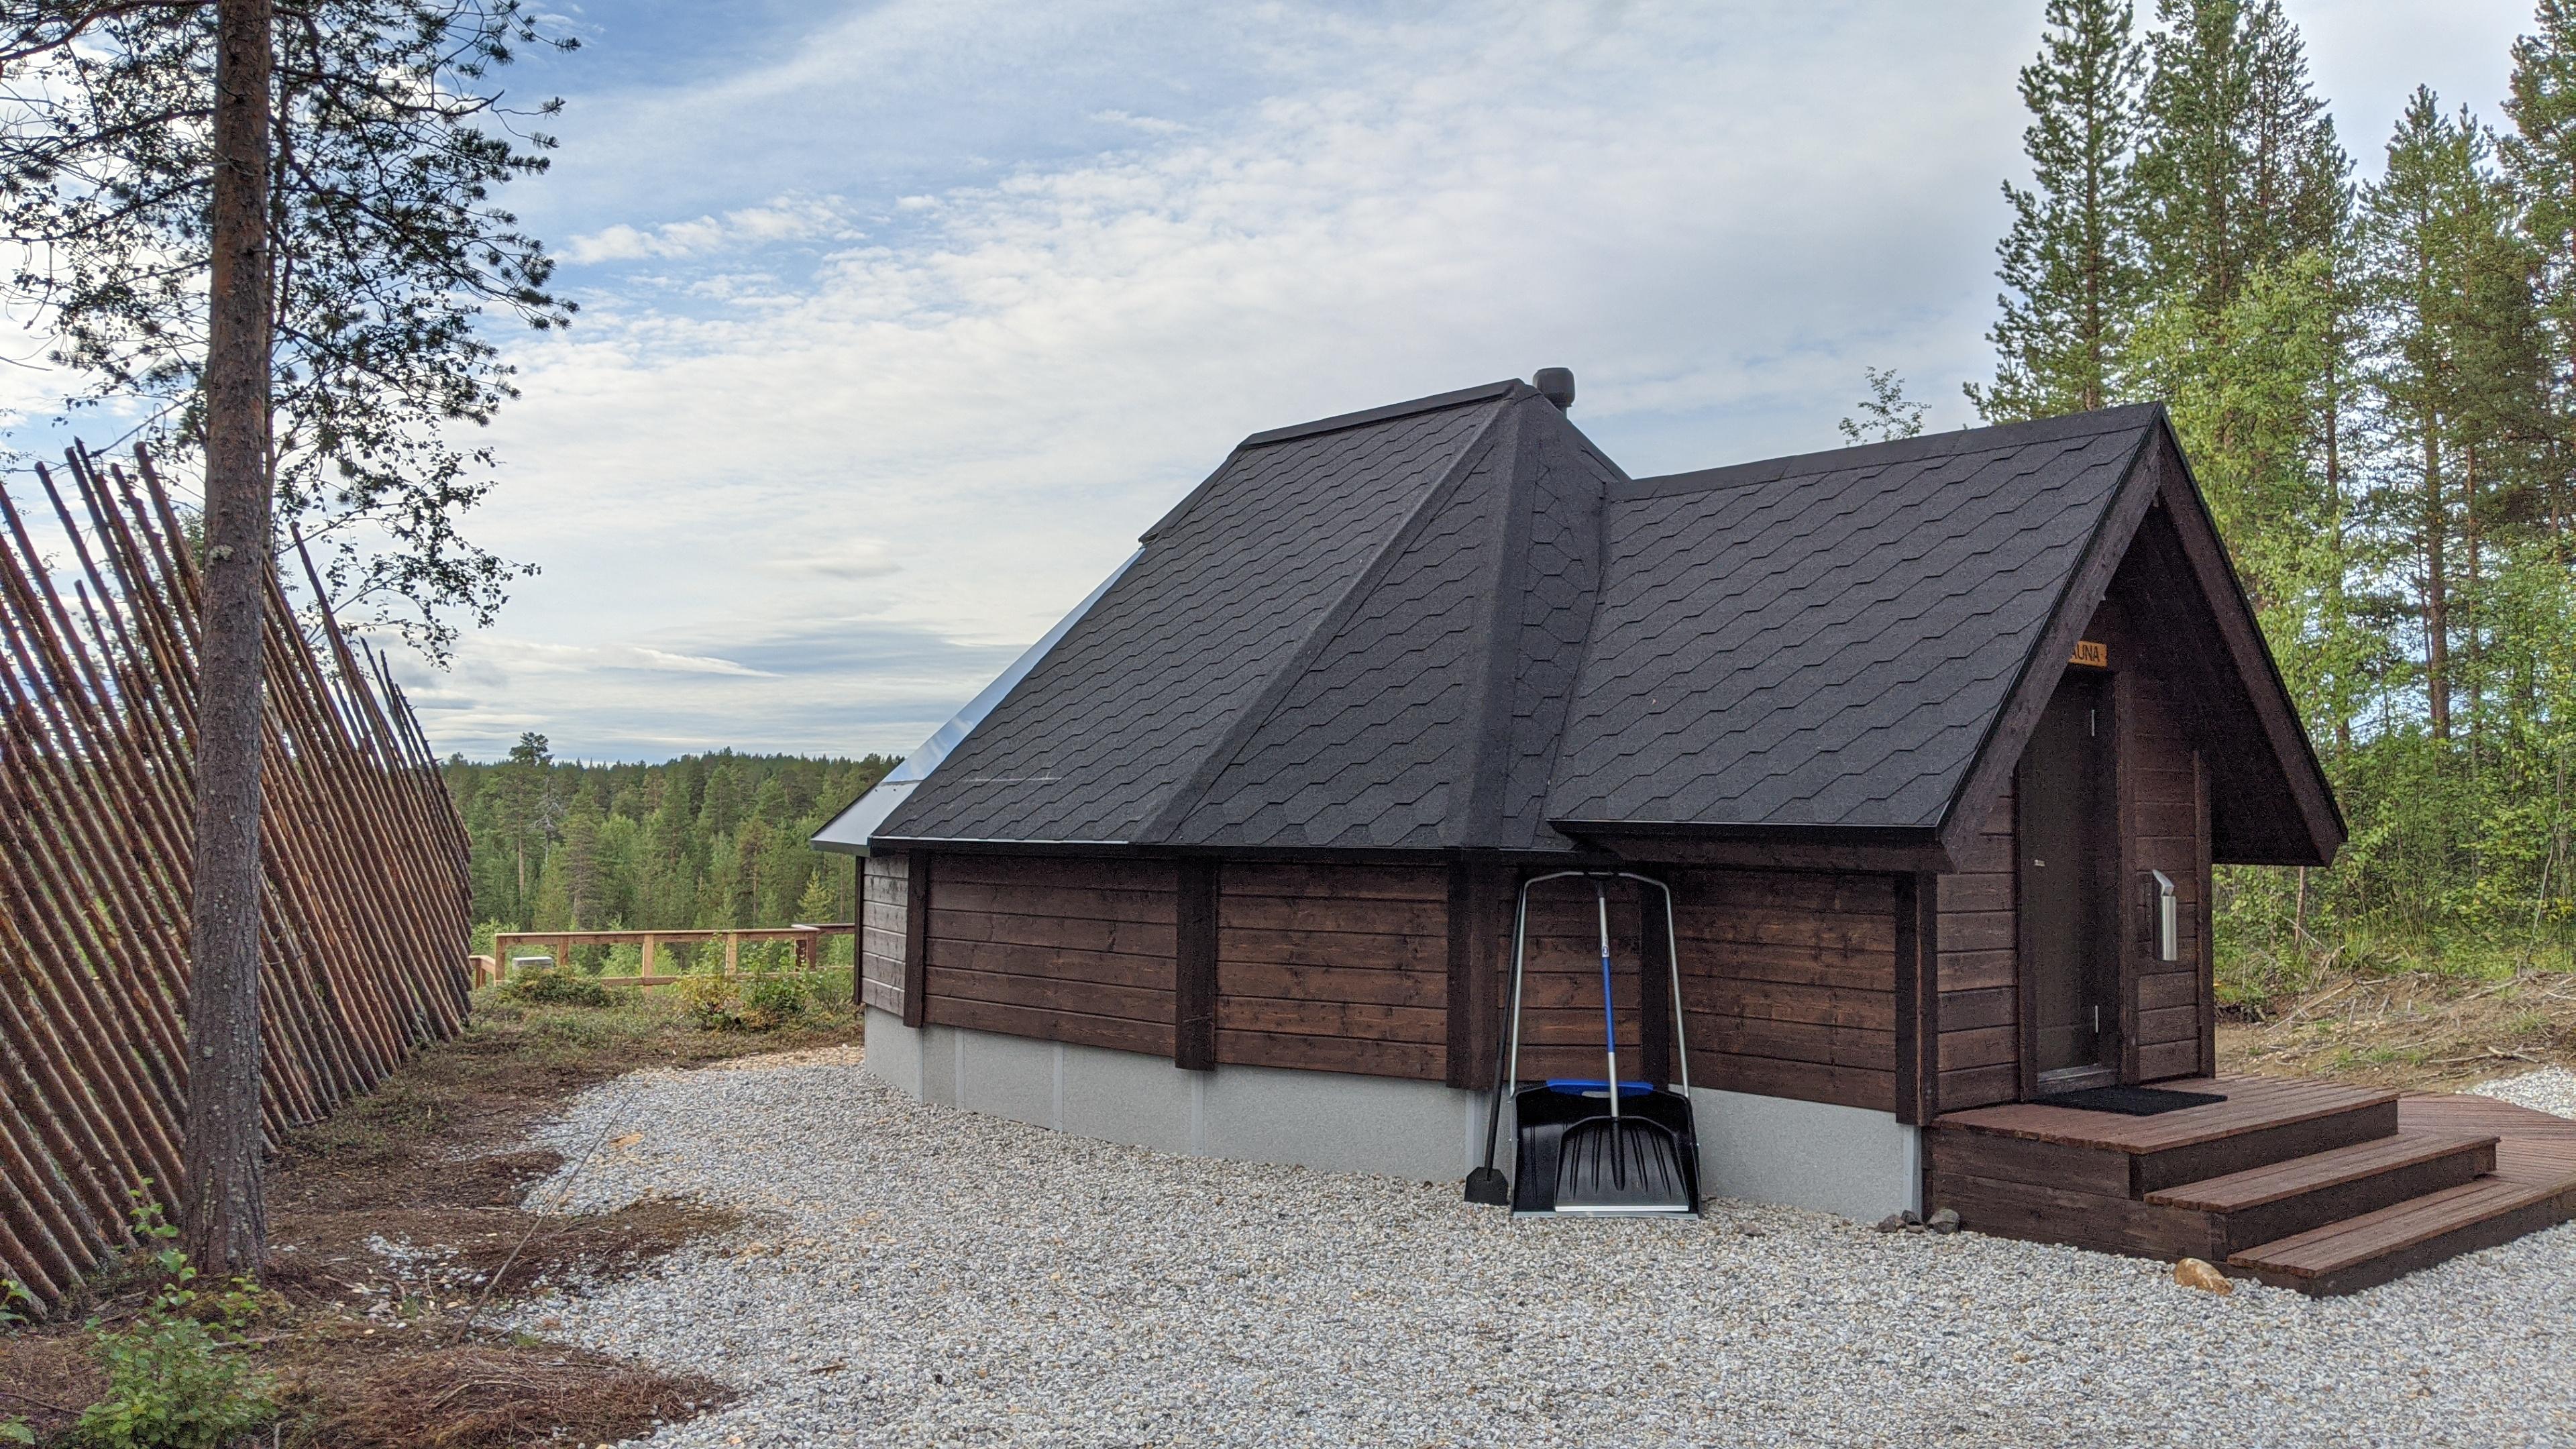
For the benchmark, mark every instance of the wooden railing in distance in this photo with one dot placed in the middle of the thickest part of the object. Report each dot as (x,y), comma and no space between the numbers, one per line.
(808,940)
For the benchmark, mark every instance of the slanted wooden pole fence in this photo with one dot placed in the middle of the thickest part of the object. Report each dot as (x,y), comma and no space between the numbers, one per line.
(365,895)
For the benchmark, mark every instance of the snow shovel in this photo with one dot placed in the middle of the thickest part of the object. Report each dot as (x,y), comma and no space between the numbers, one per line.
(1621,1162)
(1601,1147)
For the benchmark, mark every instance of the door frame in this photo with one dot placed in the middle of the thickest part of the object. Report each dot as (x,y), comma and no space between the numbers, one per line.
(2113,867)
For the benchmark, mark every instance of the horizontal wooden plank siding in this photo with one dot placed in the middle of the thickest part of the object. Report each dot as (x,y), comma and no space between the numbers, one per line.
(1977,1047)
(1333,968)
(884,883)
(1064,949)
(1562,1031)
(2165,836)
(1789,983)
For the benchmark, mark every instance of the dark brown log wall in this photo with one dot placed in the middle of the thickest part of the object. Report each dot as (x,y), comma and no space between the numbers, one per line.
(1339,968)
(885,878)
(1979,1041)
(1061,949)
(2164,808)
(1789,983)
(2167,833)
(1561,1029)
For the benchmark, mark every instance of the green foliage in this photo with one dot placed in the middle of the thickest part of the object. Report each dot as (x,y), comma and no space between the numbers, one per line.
(392,137)
(836,990)
(2071,265)
(1886,413)
(705,841)
(770,1002)
(556,985)
(2377,391)
(748,1003)
(14,1430)
(175,1377)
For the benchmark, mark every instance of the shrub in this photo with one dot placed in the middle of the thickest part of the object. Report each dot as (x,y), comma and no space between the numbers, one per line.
(711,1002)
(770,1002)
(175,1379)
(744,1003)
(555,986)
(836,989)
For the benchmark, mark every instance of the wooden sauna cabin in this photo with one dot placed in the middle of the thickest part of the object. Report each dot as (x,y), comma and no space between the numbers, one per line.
(1934,742)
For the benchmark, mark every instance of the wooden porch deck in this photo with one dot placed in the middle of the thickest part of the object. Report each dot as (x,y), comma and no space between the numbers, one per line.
(2308,1185)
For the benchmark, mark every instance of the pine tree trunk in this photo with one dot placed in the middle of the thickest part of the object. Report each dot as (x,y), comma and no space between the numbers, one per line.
(2470,607)
(226,1225)
(2437,602)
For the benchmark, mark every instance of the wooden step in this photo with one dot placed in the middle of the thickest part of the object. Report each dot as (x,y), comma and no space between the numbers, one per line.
(2281,1132)
(2263,1121)
(2364,1251)
(2275,1201)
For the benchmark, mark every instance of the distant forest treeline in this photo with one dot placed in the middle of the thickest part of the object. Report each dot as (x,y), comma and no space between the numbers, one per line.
(701,841)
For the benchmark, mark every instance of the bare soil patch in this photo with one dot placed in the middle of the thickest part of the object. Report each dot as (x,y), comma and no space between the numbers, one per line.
(397,1222)
(2417,1030)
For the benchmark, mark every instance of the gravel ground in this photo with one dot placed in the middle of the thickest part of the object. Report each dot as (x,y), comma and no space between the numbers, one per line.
(2551,1089)
(916,1275)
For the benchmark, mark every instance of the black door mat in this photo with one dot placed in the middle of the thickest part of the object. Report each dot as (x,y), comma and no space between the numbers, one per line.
(2130,1101)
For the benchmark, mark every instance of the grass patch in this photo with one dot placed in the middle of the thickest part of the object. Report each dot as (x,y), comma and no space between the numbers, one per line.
(2424,1027)
(396,1222)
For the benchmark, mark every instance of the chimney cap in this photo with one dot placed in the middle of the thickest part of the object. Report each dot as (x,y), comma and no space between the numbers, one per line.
(1556,384)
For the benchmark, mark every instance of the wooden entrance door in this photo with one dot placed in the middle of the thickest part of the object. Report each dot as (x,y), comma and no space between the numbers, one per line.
(2070,977)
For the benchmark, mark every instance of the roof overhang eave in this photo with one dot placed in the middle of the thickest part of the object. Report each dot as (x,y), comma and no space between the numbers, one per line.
(1761,844)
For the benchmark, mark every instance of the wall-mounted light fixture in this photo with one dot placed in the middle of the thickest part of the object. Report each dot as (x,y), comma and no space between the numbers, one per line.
(2168,936)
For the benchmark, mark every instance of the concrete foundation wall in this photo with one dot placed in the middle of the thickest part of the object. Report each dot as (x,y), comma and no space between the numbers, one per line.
(1762,1149)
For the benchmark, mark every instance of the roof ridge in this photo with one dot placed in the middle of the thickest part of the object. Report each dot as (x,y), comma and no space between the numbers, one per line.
(1496,666)
(1192,790)
(1950,443)
(1434,403)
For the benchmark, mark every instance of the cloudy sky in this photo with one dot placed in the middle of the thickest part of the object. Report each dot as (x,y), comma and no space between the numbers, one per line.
(901,320)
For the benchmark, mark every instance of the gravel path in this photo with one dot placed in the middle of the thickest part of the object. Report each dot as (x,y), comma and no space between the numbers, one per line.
(2551,1089)
(918,1275)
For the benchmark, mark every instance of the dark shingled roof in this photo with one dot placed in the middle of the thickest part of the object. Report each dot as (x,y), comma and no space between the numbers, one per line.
(1454,624)
(1094,744)
(1824,640)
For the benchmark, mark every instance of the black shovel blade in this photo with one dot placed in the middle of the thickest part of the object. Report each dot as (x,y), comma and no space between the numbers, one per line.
(1621,1165)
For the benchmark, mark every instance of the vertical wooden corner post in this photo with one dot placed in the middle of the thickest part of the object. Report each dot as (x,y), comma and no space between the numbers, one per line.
(1478,918)
(916,938)
(1918,997)
(1194,967)
(225,1222)
(1654,986)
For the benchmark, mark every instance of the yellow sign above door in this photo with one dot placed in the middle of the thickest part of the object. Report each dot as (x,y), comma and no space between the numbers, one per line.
(2088,652)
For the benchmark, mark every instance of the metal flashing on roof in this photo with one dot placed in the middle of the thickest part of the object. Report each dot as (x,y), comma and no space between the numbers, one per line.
(2001,438)
(847,833)
(1366,416)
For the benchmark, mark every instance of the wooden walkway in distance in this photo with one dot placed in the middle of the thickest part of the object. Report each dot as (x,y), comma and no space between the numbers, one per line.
(2304,1184)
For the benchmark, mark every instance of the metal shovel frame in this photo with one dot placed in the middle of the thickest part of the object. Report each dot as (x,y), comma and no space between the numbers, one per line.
(1511,1064)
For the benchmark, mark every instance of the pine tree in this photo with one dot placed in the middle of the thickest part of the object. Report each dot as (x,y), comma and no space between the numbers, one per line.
(819,901)
(2540,157)
(2419,222)
(2238,167)
(2071,264)
(2245,214)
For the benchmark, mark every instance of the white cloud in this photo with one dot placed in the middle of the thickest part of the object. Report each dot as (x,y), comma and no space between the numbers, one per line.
(855,409)
(1003,395)
(788,219)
